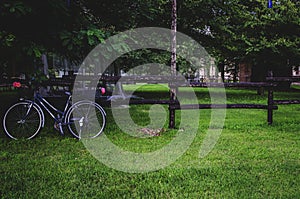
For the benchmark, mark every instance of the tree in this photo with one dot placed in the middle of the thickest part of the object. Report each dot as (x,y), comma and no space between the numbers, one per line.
(265,37)
(246,32)
(233,30)
(32,28)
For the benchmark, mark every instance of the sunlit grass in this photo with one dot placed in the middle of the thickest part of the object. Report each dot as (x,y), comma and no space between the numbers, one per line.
(251,159)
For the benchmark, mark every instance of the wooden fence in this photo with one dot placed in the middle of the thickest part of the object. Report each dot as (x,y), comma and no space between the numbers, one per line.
(175,105)
(275,80)
(269,85)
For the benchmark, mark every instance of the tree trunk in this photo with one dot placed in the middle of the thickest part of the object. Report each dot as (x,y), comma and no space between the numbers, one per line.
(221,67)
(45,64)
(173,90)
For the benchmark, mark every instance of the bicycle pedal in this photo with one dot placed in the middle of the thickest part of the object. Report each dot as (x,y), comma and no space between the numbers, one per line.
(56,126)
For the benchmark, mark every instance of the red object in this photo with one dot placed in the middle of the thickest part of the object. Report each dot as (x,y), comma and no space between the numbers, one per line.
(17,84)
(103,91)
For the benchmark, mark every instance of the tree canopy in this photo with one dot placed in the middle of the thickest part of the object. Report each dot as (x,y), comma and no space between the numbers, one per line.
(31,28)
(228,29)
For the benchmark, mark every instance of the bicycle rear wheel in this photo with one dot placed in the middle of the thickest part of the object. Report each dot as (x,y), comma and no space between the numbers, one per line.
(82,121)
(23,120)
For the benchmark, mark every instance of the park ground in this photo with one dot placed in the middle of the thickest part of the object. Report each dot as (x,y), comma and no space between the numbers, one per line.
(250,160)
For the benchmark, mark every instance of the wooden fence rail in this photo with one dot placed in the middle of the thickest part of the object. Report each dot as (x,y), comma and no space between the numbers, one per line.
(269,85)
(274,80)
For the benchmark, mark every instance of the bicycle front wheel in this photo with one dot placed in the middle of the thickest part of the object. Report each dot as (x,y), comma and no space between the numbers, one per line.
(23,120)
(86,119)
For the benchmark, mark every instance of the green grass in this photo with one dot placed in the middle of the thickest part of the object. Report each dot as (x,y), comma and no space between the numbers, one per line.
(295,86)
(250,160)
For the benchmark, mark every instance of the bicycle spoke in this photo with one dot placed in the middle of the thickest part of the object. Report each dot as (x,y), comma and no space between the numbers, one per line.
(82,117)
(20,122)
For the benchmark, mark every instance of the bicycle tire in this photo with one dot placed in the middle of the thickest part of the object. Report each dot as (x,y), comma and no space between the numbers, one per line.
(21,123)
(81,121)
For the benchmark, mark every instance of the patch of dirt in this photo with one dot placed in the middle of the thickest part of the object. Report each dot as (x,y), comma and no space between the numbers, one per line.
(152,132)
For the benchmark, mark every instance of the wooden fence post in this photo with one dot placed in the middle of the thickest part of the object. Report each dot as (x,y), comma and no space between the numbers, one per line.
(270,105)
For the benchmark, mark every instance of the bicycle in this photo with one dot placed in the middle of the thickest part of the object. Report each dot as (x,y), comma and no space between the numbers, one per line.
(25,118)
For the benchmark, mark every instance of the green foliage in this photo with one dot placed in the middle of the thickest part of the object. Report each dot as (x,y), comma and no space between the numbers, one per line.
(37,78)
(34,50)
(7,40)
(82,40)
(14,8)
(233,30)
(32,28)
(246,30)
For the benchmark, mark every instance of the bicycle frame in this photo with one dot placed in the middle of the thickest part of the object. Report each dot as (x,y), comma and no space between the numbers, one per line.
(58,115)
(40,100)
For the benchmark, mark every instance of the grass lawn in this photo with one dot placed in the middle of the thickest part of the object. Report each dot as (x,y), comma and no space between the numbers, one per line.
(250,160)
